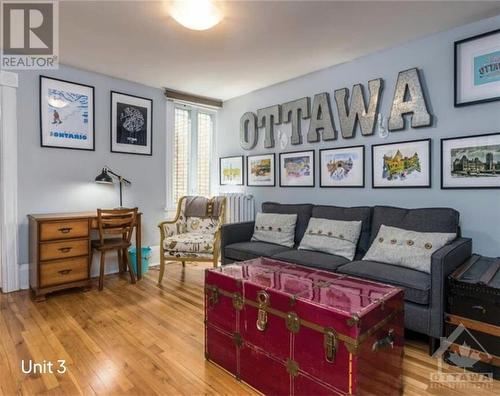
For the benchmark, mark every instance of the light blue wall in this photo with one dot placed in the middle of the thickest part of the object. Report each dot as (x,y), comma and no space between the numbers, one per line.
(479,209)
(57,180)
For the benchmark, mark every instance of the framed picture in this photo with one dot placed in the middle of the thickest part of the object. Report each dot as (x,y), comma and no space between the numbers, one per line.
(131,124)
(231,171)
(402,164)
(470,162)
(477,77)
(66,114)
(260,170)
(297,169)
(342,167)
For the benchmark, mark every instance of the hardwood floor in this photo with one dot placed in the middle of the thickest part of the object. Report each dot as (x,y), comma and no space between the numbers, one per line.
(137,339)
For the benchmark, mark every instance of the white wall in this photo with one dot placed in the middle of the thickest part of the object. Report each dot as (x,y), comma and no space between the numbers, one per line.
(60,180)
(479,209)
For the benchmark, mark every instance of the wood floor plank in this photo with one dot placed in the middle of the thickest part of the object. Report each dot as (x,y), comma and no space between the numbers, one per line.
(140,339)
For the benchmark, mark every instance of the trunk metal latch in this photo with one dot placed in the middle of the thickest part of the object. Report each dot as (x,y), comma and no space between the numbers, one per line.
(263,301)
(330,344)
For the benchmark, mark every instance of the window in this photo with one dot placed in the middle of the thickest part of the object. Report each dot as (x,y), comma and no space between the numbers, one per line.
(192,151)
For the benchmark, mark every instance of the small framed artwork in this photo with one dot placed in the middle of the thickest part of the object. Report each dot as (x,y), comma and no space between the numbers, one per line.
(297,169)
(131,124)
(342,167)
(66,114)
(470,162)
(231,171)
(402,164)
(477,75)
(261,170)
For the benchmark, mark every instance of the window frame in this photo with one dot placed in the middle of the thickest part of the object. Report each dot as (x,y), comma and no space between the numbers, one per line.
(171,204)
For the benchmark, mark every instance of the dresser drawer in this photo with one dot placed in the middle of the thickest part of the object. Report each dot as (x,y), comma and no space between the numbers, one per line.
(57,250)
(63,271)
(63,229)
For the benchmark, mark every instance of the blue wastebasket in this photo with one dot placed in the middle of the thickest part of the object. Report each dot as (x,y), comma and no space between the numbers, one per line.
(145,254)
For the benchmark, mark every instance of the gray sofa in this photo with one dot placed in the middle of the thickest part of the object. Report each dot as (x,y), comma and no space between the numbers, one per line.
(424,293)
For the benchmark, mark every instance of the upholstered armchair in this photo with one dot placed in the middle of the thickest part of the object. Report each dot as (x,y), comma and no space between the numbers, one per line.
(194,234)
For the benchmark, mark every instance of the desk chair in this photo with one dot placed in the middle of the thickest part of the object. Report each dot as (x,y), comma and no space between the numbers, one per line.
(120,224)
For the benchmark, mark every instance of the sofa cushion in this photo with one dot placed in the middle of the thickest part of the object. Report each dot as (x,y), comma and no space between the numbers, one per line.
(275,228)
(416,284)
(357,213)
(303,212)
(406,248)
(250,250)
(313,259)
(332,237)
(423,220)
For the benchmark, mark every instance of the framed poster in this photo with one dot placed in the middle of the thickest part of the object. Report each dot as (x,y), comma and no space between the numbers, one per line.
(231,171)
(131,124)
(342,167)
(297,169)
(477,69)
(402,164)
(470,162)
(260,170)
(66,114)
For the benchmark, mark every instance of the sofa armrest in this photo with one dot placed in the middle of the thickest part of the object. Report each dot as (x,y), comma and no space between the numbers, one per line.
(444,261)
(235,232)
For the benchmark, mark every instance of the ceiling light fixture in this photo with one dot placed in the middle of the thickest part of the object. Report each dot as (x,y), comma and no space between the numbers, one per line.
(196,14)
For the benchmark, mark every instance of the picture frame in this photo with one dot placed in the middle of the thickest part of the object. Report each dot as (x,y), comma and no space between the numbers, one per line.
(131,124)
(297,168)
(459,168)
(261,170)
(405,164)
(66,111)
(231,171)
(475,82)
(342,167)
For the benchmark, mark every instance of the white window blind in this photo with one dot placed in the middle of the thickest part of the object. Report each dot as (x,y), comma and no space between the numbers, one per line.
(192,151)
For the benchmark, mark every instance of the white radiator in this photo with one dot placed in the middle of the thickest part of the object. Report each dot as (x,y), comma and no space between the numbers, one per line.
(239,207)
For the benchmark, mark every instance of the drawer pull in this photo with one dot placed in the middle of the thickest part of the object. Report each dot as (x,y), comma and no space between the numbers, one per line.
(65,272)
(65,249)
(479,308)
(65,230)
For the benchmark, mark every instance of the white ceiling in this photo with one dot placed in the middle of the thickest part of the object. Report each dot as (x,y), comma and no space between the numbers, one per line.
(257,43)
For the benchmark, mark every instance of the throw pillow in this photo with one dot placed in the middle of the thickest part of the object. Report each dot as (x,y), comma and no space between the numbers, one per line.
(407,248)
(332,236)
(275,228)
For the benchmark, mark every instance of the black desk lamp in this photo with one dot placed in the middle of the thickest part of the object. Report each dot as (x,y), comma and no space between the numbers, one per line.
(105,178)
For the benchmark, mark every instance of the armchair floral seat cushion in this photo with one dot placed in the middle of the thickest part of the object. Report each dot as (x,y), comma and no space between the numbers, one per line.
(194,234)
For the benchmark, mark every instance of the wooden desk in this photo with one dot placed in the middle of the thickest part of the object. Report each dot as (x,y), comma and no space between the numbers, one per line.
(59,251)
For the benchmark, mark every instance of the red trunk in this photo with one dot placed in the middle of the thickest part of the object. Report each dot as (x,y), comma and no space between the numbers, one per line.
(291,330)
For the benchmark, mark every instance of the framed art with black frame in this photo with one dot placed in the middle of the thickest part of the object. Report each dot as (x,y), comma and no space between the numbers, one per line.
(297,169)
(402,164)
(342,167)
(477,69)
(231,171)
(66,114)
(261,170)
(131,124)
(470,162)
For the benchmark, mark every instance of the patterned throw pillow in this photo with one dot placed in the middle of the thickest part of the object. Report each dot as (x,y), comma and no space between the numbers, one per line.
(332,236)
(407,248)
(275,228)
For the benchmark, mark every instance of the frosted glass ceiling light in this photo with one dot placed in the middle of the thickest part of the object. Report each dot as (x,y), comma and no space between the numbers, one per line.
(196,14)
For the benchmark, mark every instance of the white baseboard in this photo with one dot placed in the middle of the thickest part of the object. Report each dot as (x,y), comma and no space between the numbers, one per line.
(111,266)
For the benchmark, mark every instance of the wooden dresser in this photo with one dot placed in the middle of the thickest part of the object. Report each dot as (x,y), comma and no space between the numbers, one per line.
(59,252)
